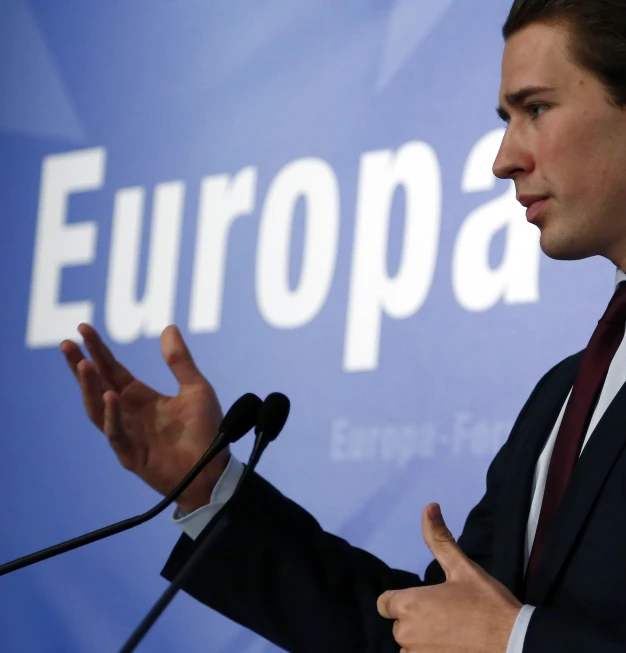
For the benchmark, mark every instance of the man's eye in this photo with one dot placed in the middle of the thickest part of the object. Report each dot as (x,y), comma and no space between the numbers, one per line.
(535,110)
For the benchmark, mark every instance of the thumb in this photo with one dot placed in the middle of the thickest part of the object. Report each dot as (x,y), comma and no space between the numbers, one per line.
(440,540)
(178,358)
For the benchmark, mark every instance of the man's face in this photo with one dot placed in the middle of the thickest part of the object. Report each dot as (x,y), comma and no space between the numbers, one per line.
(566,144)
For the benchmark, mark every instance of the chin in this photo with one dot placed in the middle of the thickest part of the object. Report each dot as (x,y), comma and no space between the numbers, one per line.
(563,248)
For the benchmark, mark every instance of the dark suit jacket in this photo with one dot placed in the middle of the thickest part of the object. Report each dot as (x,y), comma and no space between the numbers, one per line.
(277,572)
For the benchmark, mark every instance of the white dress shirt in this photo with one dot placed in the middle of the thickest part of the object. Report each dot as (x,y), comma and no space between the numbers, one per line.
(194,523)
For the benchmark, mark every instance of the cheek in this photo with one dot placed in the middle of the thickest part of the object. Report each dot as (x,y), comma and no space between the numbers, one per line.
(573,167)
(593,161)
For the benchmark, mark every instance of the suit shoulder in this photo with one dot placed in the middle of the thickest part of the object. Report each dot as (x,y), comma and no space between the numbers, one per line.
(572,361)
(562,372)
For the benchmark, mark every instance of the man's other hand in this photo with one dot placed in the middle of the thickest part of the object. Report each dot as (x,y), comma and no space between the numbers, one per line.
(471,611)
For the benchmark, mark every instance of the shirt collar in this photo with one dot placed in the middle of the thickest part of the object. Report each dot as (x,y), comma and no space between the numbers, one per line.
(619,277)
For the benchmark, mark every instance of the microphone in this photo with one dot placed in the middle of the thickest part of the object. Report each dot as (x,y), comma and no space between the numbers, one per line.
(270,422)
(239,419)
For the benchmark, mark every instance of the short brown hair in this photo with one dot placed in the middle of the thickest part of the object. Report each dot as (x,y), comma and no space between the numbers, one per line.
(598,38)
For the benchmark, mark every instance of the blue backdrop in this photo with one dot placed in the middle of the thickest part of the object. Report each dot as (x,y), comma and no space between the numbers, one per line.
(306,189)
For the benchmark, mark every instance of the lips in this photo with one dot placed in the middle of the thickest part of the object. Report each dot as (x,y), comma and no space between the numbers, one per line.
(534,210)
(528,200)
(534,205)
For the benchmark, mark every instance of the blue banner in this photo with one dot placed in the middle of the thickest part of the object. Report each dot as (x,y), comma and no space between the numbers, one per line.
(305,188)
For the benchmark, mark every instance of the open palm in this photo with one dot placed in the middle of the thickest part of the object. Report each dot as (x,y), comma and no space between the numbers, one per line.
(158,437)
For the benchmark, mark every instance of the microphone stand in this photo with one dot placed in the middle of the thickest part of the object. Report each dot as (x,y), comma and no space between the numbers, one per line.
(205,541)
(272,418)
(239,419)
(219,443)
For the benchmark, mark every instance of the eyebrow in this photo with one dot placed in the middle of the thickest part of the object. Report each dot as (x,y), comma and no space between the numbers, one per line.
(518,98)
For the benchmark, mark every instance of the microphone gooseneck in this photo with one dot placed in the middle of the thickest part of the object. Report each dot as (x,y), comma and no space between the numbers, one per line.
(240,418)
(270,421)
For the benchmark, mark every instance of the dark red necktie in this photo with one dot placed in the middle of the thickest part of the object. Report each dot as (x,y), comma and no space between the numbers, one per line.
(597,358)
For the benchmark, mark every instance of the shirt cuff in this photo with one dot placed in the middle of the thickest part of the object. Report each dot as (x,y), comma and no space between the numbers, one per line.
(518,634)
(195,522)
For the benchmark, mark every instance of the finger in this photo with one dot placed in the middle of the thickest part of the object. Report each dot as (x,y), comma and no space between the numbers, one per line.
(395,630)
(385,604)
(91,390)
(440,540)
(114,373)
(73,355)
(178,358)
(114,429)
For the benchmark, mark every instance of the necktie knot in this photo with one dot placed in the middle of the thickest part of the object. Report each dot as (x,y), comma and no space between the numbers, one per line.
(616,310)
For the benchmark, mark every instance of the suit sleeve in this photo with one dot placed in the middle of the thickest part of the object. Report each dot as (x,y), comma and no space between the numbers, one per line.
(550,631)
(275,571)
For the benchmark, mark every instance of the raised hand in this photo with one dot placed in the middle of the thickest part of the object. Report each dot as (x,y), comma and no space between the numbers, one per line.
(159,438)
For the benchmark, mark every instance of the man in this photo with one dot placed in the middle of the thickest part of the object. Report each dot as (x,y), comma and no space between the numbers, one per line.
(550,531)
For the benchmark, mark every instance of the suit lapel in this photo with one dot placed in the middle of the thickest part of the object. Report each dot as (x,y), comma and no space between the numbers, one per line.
(515,495)
(595,463)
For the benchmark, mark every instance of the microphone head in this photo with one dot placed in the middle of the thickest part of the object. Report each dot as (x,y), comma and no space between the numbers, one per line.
(241,417)
(272,416)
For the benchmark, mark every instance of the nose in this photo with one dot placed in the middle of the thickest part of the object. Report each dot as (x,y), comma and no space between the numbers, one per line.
(514,157)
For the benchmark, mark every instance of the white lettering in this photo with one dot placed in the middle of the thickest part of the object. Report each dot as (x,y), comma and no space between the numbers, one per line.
(391,443)
(373,293)
(222,200)
(476,285)
(282,307)
(59,245)
(126,317)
